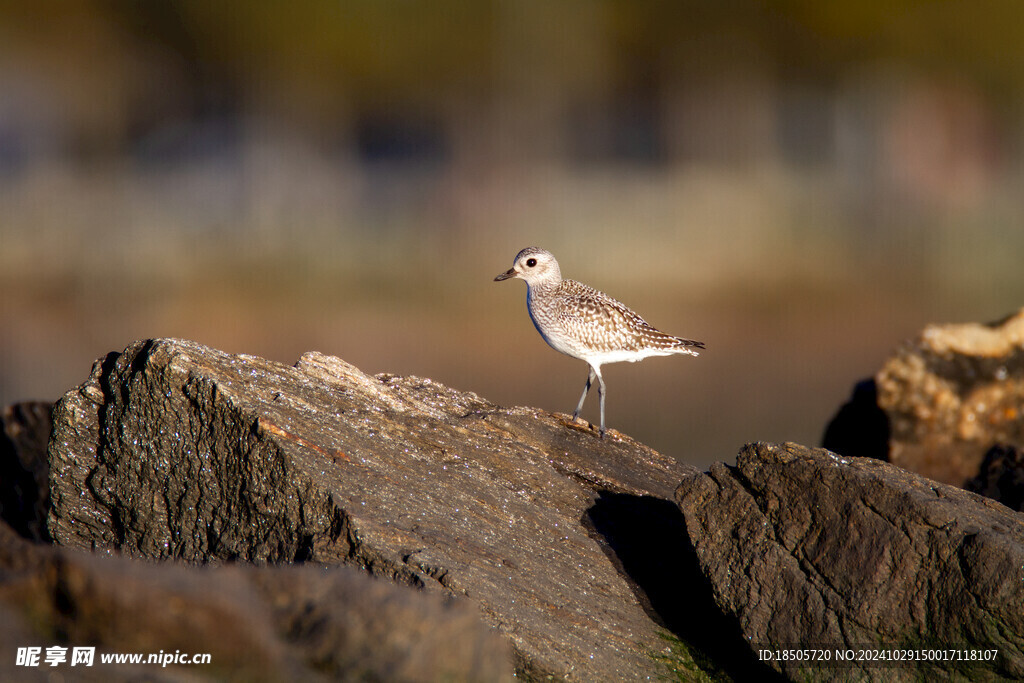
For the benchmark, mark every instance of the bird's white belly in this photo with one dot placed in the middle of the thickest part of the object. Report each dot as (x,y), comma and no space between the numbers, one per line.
(603,357)
(565,344)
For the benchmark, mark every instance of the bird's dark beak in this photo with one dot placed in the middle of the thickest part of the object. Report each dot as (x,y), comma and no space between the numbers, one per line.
(511,272)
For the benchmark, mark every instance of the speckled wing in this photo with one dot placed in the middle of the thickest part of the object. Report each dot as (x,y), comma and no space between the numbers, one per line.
(603,324)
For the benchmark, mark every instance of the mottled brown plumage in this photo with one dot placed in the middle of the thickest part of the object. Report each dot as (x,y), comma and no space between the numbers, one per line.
(597,323)
(587,324)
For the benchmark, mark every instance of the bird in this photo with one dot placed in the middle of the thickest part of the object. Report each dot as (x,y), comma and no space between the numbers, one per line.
(582,322)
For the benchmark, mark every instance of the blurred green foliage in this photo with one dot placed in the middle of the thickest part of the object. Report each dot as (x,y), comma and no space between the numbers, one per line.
(366,46)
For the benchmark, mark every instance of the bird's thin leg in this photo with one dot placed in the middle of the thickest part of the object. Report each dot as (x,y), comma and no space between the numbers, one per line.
(579,406)
(600,392)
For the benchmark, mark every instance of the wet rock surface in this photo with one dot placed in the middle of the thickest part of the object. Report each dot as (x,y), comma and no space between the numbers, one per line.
(172,450)
(953,393)
(256,623)
(805,547)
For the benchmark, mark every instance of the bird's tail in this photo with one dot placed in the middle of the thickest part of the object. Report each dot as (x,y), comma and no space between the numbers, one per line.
(688,346)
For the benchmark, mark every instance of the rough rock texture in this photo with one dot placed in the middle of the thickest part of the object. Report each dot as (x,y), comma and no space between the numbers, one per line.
(953,393)
(1001,477)
(24,471)
(175,450)
(805,547)
(257,623)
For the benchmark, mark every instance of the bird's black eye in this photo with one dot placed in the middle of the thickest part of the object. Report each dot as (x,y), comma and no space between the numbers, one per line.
(531,262)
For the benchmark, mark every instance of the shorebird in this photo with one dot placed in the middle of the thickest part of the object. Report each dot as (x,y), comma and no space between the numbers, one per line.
(587,324)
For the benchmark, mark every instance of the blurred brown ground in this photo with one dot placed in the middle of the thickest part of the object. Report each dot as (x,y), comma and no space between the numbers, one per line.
(800,185)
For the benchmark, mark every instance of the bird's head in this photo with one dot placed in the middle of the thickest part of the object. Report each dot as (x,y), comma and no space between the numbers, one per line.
(533,265)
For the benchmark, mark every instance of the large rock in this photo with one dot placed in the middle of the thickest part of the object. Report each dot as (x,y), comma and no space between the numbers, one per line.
(953,393)
(175,450)
(256,623)
(805,548)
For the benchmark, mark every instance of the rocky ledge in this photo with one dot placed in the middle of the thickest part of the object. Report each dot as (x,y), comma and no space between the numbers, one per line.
(172,450)
(804,547)
(442,536)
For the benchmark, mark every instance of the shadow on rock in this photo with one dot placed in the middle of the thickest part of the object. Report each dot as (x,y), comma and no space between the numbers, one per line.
(646,538)
(1001,476)
(24,471)
(861,428)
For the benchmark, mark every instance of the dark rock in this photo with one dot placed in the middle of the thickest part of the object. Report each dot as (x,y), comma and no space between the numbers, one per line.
(1001,477)
(953,393)
(24,470)
(269,623)
(175,450)
(806,548)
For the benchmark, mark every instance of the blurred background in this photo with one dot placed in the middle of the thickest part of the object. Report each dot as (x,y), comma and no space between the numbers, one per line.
(800,184)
